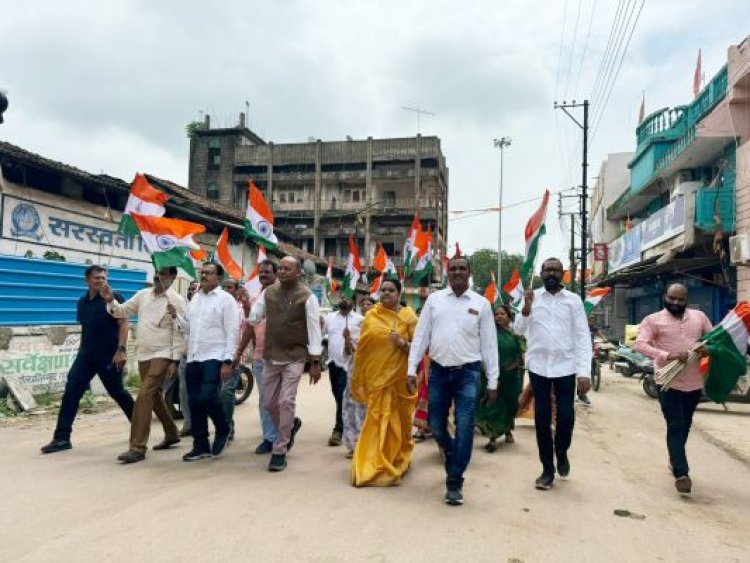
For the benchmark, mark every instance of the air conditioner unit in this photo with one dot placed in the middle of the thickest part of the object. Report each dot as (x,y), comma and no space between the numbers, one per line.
(739,249)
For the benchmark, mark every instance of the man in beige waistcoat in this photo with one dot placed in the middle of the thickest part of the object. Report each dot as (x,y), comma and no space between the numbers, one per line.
(293,335)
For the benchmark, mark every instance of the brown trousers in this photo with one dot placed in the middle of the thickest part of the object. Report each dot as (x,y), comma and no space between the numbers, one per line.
(150,398)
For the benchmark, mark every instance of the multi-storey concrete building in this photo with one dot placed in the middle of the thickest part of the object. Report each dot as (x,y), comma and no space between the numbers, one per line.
(323,192)
(688,192)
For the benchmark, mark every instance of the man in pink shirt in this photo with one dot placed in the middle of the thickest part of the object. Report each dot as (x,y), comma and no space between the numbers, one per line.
(666,336)
(257,335)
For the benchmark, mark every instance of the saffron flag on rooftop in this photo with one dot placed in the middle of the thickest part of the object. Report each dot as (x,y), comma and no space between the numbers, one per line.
(353,270)
(533,233)
(144,199)
(259,218)
(593,298)
(727,344)
(169,241)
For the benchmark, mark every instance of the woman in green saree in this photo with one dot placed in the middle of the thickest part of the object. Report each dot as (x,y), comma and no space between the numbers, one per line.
(498,419)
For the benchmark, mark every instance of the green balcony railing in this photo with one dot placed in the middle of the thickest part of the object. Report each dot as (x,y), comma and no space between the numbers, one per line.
(664,125)
(712,203)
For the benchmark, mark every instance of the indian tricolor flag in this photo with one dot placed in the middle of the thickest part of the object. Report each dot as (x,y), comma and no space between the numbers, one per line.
(593,298)
(727,345)
(253,285)
(375,287)
(384,264)
(534,230)
(353,270)
(331,284)
(259,219)
(514,288)
(423,248)
(144,199)
(490,292)
(169,241)
(225,258)
(411,240)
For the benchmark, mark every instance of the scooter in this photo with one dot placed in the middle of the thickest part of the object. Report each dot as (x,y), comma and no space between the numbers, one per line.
(628,362)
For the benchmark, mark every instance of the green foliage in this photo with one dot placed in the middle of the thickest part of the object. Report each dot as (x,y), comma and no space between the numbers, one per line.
(192,127)
(88,400)
(6,410)
(484,261)
(52,255)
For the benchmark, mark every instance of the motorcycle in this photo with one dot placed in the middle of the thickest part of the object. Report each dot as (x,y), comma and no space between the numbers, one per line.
(241,393)
(740,394)
(628,362)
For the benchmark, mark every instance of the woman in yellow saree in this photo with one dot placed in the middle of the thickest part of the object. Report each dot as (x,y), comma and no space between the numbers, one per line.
(383,451)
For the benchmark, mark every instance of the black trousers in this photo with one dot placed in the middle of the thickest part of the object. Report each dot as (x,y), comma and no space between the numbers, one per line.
(203,381)
(338,385)
(678,408)
(80,375)
(565,390)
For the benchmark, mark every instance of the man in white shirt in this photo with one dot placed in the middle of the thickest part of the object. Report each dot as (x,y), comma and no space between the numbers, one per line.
(292,335)
(228,388)
(458,328)
(558,350)
(160,346)
(210,325)
(340,358)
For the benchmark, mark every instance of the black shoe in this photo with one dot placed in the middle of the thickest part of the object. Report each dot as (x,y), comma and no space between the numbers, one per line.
(454,497)
(544,482)
(295,428)
(196,454)
(220,444)
(265,447)
(563,465)
(231,433)
(56,446)
(277,463)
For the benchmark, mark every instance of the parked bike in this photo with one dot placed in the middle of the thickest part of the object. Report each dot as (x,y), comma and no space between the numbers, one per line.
(628,362)
(241,394)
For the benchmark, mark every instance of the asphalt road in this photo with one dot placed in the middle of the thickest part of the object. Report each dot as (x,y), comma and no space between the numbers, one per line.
(81,505)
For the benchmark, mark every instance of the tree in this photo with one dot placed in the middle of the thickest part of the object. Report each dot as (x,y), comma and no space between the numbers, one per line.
(484,261)
(192,127)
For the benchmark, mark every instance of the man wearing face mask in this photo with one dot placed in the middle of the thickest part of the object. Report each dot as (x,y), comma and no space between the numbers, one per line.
(558,357)
(666,336)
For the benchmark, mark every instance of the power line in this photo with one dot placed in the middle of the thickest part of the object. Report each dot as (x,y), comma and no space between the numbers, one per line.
(605,56)
(572,49)
(585,48)
(615,52)
(617,74)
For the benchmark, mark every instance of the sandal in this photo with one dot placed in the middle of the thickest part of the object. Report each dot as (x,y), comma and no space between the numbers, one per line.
(491,446)
(509,439)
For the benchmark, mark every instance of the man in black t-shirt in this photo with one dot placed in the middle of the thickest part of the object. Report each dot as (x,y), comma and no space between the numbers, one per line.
(101,352)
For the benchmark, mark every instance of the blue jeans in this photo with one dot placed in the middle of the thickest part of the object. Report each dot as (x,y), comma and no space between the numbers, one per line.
(203,384)
(269,430)
(226,395)
(453,386)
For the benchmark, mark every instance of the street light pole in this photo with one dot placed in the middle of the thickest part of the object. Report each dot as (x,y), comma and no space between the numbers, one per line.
(500,143)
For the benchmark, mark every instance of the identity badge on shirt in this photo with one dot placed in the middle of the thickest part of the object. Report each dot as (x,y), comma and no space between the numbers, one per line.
(473,312)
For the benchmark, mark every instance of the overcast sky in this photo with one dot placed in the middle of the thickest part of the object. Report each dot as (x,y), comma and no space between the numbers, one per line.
(109,86)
